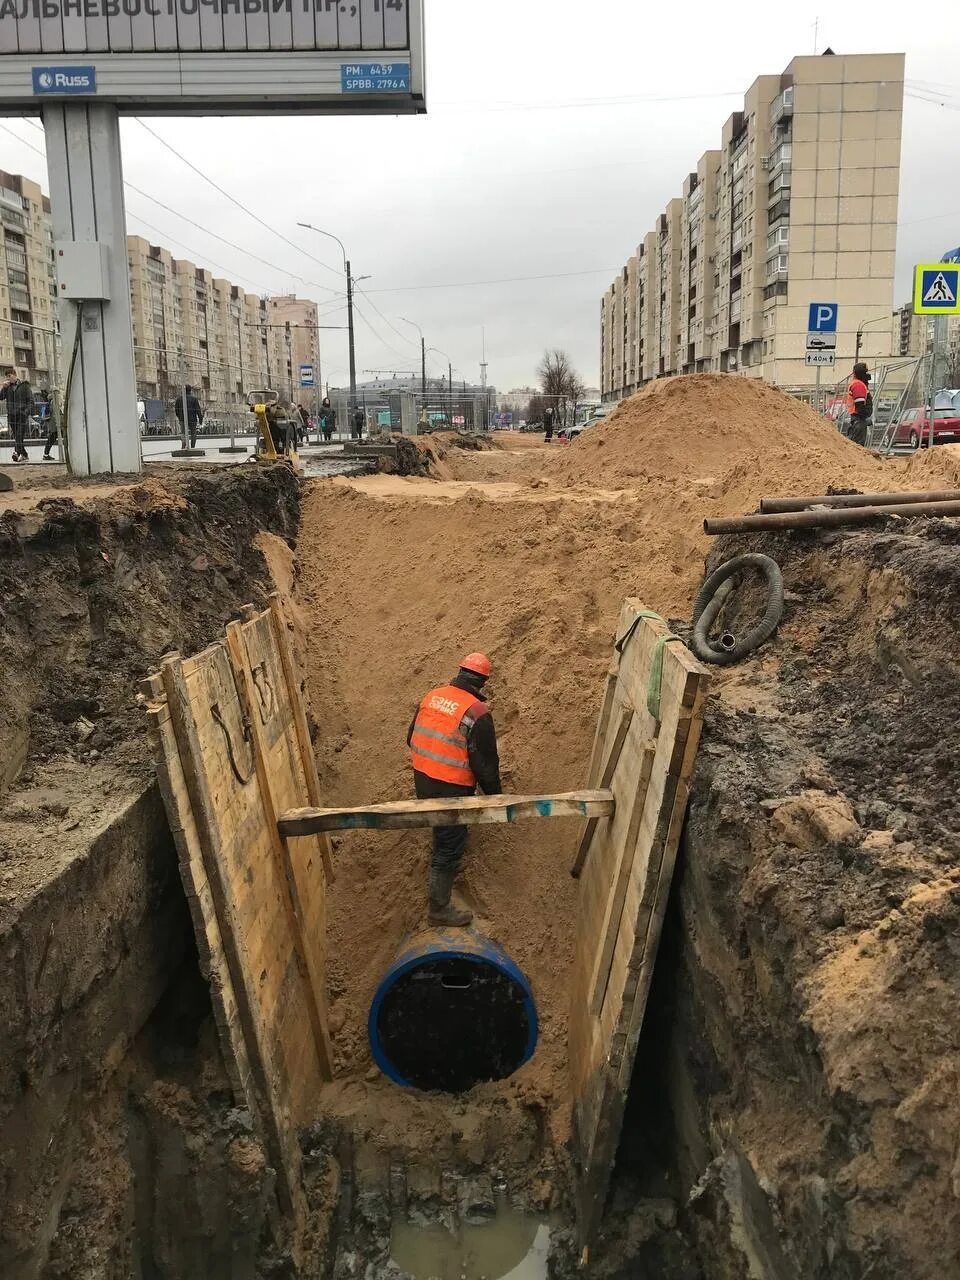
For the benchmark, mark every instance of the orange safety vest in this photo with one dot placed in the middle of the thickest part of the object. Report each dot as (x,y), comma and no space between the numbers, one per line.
(438,744)
(862,391)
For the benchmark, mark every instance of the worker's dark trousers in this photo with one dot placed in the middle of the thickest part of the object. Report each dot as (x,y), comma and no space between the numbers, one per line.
(51,439)
(858,430)
(449,843)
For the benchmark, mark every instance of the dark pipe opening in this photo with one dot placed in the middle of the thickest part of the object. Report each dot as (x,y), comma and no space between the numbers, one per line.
(728,640)
(451,1017)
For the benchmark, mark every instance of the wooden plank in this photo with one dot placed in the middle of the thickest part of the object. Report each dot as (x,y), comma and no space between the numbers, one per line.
(213,963)
(465,811)
(614,913)
(624,889)
(613,759)
(316,1002)
(294,685)
(603,720)
(647,948)
(283,1153)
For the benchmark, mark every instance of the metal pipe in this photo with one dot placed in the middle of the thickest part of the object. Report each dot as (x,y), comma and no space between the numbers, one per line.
(827,519)
(770,506)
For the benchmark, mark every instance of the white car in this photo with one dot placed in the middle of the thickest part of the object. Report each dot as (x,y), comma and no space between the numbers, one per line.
(598,415)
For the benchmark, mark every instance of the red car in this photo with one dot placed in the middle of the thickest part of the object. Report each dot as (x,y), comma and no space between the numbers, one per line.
(914,427)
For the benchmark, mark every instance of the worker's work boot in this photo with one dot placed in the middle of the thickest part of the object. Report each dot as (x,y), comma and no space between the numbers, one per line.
(441,909)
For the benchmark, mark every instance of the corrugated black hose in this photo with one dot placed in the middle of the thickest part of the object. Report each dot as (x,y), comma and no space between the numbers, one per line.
(710,600)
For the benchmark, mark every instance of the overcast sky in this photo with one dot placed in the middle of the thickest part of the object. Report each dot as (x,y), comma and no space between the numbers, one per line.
(556,132)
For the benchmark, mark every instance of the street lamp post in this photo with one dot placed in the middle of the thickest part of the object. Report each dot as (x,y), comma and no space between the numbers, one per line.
(449,379)
(346,267)
(860,328)
(423,358)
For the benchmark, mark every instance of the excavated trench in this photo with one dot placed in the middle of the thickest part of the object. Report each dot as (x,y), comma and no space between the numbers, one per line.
(792,1113)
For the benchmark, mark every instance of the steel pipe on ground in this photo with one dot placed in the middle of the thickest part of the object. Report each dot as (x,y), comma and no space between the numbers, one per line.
(771,506)
(824,519)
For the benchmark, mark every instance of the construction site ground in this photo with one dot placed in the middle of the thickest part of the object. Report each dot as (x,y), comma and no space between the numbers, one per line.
(793,1108)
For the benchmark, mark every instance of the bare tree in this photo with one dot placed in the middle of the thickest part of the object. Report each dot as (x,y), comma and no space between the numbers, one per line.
(535,408)
(559,381)
(952,370)
(578,389)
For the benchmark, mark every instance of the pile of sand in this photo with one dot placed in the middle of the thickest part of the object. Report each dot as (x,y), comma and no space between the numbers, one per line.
(718,443)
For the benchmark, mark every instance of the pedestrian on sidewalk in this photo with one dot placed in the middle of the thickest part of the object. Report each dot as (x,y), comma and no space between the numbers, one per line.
(453,749)
(549,417)
(359,417)
(328,419)
(304,429)
(53,434)
(19,400)
(194,414)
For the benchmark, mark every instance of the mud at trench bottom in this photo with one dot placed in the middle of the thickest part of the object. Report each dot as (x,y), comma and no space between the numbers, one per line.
(509,1246)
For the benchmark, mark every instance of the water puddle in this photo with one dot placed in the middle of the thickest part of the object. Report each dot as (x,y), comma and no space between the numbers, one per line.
(511,1246)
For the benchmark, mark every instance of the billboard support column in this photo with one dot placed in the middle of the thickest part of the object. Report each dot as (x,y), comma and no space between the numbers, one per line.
(86,195)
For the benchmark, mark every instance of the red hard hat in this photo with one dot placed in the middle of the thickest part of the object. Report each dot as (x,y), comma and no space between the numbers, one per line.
(478,663)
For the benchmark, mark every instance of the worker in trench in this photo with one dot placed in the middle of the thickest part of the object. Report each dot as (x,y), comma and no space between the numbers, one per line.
(453,750)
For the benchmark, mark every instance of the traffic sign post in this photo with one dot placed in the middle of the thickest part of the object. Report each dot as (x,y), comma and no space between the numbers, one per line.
(821,341)
(936,289)
(936,292)
(306,375)
(823,317)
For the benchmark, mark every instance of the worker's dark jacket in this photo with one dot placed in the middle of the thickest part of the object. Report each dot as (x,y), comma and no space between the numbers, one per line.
(19,400)
(194,411)
(481,749)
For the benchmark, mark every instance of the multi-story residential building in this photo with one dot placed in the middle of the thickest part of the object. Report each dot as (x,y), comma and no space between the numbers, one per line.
(910,332)
(293,330)
(798,205)
(27,284)
(191,326)
(188,325)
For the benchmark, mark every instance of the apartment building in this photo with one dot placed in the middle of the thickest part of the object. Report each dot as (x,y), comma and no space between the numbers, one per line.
(798,205)
(911,333)
(192,326)
(188,325)
(27,283)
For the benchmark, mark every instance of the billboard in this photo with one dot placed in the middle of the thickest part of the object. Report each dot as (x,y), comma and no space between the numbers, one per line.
(214,56)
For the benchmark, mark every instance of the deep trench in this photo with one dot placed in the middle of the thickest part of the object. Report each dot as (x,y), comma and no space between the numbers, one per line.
(750,1146)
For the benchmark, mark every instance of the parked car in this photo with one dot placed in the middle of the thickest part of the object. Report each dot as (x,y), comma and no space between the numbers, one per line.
(598,415)
(913,427)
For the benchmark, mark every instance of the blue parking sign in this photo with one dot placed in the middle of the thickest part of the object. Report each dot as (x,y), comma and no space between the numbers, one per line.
(823,317)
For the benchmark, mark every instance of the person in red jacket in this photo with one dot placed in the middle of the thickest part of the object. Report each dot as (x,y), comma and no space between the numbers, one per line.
(859,404)
(453,749)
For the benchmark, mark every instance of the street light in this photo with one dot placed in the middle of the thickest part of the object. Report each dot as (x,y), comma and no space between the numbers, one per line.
(449,376)
(863,324)
(350,282)
(423,358)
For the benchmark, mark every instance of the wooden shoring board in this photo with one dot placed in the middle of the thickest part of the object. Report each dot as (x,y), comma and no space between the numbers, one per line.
(230,755)
(624,887)
(469,811)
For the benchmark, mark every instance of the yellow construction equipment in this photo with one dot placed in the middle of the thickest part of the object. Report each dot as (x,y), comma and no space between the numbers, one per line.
(274,424)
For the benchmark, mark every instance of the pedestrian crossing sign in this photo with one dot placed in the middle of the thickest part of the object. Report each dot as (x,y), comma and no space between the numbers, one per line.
(936,289)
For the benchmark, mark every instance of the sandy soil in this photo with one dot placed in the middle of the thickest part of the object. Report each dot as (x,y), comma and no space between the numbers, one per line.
(525,552)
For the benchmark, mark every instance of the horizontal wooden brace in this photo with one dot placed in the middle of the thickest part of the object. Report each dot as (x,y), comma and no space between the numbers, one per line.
(453,811)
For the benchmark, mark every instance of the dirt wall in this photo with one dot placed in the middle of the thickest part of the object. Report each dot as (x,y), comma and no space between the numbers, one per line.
(121,1152)
(807,994)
